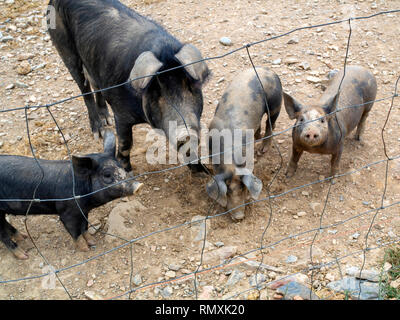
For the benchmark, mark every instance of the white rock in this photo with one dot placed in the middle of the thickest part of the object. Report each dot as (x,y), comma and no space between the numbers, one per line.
(313,79)
(225,41)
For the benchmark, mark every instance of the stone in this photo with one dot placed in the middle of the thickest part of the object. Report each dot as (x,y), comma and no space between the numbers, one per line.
(293,40)
(330,277)
(277,61)
(370,275)
(313,79)
(92,295)
(291,60)
(234,277)
(225,41)
(167,292)
(199,228)
(7,38)
(206,293)
(351,286)
(21,85)
(137,280)
(254,265)
(395,284)
(174,267)
(291,259)
(255,295)
(219,244)
(305,65)
(219,255)
(170,274)
(259,281)
(118,217)
(24,68)
(293,289)
(315,206)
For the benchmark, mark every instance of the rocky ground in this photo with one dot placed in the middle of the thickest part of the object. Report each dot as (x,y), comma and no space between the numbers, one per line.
(167,217)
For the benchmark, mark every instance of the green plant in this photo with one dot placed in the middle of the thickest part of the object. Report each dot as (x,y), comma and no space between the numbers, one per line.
(392,256)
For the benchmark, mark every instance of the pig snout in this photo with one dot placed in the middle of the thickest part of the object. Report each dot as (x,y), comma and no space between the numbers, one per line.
(131,187)
(311,136)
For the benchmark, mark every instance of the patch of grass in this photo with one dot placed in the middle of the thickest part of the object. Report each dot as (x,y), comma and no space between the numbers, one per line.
(392,256)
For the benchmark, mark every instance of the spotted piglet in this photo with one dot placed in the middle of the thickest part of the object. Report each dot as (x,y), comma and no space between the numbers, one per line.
(319,129)
(241,109)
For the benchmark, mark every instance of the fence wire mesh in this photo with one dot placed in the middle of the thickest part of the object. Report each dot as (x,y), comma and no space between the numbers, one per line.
(257,255)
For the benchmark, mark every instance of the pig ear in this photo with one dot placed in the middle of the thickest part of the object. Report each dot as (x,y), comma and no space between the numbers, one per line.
(253,184)
(109,143)
(189,54)
(83,164)
(146,64)
(292,106)
(217,189)
(331,104)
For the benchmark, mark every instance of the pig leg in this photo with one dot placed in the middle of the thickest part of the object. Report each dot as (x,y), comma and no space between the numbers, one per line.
(103,110)
(101,105)
(335,161)
(270,126)
(257,134)
(14,233)
(5,238)
(73,222)
(292,167)
(125,142)
(71,59)
(361,126)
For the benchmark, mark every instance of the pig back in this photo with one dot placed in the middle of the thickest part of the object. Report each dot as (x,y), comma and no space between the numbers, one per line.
(358,87)
(21,177)
(242,106)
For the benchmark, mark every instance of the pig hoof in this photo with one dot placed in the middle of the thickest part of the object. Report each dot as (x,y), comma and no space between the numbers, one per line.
(20,254)
(137,186)
(96,136)
(19,236)
(289,174)
(89,239)
(237,216)
(81,244)
(109,121)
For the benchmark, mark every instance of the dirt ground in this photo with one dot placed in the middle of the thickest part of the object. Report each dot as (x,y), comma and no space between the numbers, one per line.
(286,225)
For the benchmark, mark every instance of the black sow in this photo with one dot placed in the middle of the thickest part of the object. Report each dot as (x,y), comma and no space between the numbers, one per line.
(103,43)
(20,176)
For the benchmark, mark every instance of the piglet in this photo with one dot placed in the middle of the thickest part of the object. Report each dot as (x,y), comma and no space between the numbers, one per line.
(20,176)
(318,129)
(241,107)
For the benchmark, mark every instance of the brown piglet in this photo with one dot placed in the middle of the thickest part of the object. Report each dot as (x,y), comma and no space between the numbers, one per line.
(319,129)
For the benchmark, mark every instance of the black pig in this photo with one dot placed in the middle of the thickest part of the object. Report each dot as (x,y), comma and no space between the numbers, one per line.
(104,43)
(19,177)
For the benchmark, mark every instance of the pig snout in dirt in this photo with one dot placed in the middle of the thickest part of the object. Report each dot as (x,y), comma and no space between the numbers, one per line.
(135,51)
(321,127)
(96,180)
(246,100)
(231,190)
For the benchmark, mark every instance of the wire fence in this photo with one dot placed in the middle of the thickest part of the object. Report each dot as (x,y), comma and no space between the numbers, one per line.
(315,233)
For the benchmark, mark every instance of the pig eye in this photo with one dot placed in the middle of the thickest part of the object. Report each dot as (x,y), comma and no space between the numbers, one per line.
(108,176)
(323,120)
(301,119)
